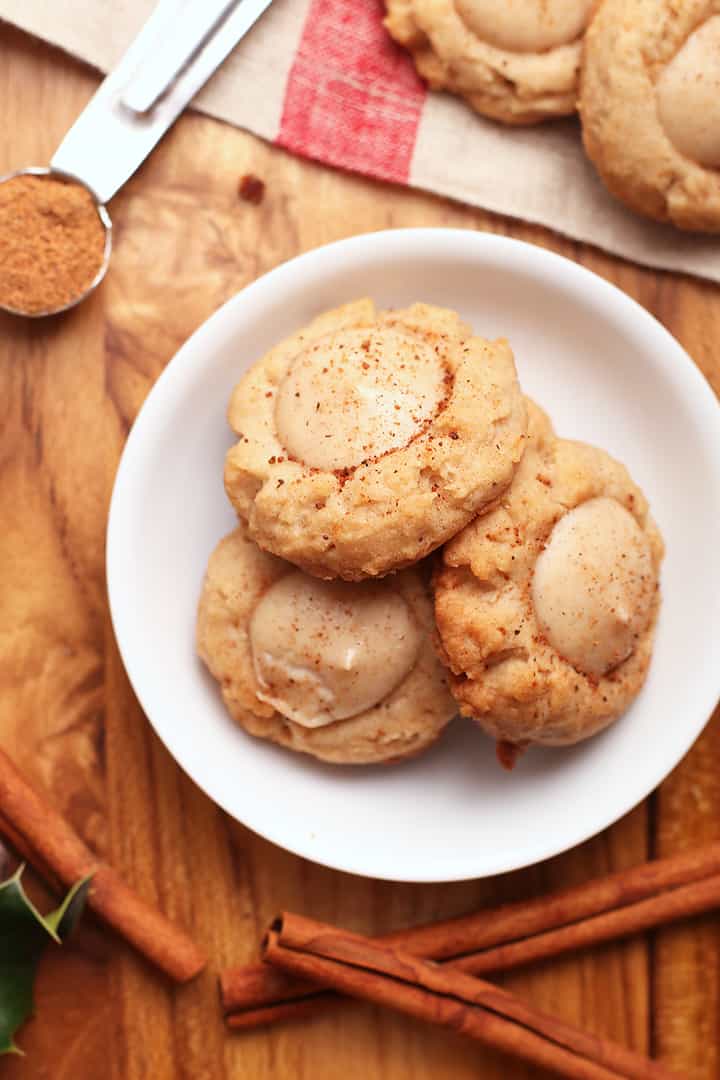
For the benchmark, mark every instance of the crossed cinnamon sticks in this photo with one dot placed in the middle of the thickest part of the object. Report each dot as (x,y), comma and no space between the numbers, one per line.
(399,970)
(510,936)
(443,995)
(312,964)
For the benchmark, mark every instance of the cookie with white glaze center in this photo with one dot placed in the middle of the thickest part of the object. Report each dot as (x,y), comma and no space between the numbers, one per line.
(546,605)
(650,107)
(517,62)
(344,672)
(368,438)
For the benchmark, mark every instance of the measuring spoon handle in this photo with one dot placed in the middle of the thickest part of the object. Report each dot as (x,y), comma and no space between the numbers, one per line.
(175,53)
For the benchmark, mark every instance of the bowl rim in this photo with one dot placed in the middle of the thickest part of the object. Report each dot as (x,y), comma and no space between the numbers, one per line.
(572,278)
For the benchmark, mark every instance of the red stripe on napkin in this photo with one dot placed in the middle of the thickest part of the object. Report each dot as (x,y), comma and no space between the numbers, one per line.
(353,98)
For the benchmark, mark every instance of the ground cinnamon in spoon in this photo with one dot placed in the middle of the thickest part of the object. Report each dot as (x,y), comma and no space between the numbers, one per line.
(52,242)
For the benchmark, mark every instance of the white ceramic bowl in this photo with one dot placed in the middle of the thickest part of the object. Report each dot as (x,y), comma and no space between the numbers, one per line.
(608,373)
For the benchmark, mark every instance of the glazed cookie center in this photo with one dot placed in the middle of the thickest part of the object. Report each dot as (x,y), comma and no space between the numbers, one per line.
(357,394)
(525,25)
(688,96)
(325,651)
(593,586)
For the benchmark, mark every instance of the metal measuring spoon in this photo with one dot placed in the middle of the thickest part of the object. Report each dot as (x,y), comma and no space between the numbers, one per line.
(175,53)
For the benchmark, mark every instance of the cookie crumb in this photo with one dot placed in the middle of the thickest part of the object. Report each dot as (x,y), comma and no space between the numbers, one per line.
(508,753)
(251,189)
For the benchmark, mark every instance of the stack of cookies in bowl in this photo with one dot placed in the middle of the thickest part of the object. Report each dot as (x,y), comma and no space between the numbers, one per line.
(415,540)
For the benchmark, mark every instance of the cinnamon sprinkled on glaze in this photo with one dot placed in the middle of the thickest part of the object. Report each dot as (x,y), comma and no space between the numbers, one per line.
(326,651)
(594,585)
(354,396)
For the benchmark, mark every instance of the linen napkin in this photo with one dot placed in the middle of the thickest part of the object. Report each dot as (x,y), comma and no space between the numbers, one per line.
(323,79)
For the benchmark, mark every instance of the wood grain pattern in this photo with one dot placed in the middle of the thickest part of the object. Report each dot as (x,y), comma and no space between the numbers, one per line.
(69,390)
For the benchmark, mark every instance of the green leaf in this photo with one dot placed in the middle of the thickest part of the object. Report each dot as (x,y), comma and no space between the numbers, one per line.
(24,935)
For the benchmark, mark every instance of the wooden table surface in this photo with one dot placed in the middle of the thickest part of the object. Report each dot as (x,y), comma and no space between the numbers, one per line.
(69,391)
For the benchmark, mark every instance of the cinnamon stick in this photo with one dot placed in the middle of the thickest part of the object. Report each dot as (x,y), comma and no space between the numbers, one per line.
(386,975)
(508,936)
(667,907)
(40,834)
(20,847)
